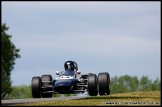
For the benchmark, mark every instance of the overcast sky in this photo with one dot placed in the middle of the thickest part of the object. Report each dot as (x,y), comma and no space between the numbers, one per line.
(121,38)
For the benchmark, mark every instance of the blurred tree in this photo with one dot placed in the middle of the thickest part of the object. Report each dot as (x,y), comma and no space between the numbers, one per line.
(145,84)
(127,83)
(19,92)
(114,85)
(123,84)
(134,84)
(8,55)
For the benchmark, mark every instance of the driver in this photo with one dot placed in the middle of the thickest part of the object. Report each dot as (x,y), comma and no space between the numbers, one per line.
(71,65)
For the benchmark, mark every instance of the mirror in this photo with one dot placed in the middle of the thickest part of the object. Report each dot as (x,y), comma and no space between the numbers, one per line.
(78,72)
(57,72)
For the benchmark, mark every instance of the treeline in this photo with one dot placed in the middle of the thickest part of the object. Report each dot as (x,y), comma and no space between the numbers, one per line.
(120,84)
(128,83)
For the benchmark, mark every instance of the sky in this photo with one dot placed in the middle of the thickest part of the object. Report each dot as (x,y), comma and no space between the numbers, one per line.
(121,38)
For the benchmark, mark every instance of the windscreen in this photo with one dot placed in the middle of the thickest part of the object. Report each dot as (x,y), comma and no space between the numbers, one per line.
(68,73)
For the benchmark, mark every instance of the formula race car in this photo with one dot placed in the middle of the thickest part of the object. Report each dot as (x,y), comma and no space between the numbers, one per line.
(70,81)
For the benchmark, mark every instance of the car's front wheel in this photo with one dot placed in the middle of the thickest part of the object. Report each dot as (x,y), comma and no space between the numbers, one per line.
(36,87)
(104,83)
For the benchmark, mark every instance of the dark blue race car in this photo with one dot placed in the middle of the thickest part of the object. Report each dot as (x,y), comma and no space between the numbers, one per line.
(70,81)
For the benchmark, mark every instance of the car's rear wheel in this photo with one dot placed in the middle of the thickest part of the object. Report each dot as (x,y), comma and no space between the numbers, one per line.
(104,83)
(46,79)
(92,85)
(36,87)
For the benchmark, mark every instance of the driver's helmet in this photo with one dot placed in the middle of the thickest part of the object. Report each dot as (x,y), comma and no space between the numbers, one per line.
(71,65)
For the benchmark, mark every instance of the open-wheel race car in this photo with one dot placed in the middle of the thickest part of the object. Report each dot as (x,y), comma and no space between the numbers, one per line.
(70,81)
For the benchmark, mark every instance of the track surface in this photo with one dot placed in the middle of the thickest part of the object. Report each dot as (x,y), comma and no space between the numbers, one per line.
(29,100)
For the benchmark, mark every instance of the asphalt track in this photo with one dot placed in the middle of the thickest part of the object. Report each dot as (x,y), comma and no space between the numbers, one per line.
(29,100)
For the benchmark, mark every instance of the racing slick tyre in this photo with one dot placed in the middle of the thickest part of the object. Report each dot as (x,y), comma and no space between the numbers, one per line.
(36,87)
(45,83)
(104,82)
(92,85)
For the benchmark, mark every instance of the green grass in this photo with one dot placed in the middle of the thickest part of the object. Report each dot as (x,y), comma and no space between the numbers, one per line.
(133,98)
